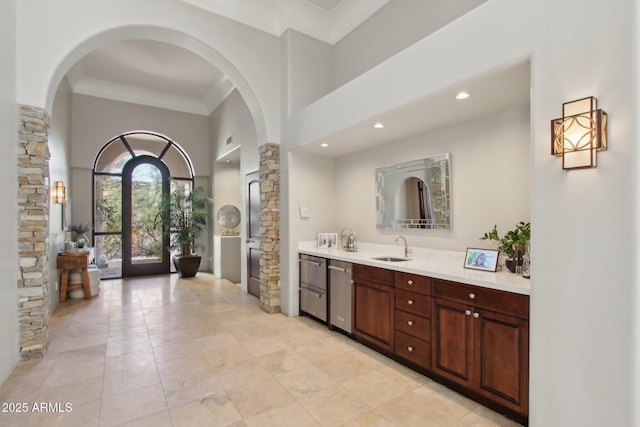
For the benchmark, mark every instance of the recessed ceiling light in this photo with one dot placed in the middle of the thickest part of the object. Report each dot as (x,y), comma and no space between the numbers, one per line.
(463,95)
(228,161)
(378,125)
(324,144)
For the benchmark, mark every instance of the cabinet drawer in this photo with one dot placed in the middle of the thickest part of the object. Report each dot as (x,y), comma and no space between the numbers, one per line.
(413,302)
(314,302)
(413,349)
(413,282)
(73,261)
(375,274)
(413,324)
(493,299)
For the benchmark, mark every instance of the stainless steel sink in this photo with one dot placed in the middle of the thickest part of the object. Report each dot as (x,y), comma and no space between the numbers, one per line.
(391,258)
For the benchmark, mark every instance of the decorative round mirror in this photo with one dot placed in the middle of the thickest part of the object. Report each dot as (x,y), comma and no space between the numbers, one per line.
(229,218)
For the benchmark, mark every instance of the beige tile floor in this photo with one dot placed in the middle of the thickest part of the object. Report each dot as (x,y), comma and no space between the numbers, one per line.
(163,351)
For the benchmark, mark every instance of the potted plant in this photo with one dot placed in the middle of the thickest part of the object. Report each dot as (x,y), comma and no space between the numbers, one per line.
(184,216)
(79,232)
(513,244)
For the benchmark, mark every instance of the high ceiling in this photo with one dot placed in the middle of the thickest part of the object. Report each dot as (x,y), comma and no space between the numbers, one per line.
(326,20)
(166,76)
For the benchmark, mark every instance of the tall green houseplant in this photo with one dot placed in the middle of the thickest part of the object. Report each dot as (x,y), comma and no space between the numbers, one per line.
(184,216)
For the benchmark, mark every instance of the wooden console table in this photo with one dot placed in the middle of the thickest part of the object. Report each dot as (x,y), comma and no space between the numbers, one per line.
(68,261)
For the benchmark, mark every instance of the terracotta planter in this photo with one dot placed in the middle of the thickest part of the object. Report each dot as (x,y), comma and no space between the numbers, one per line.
(187,265)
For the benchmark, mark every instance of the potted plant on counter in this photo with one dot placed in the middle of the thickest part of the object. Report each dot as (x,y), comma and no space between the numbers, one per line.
(513,244)
(184,216)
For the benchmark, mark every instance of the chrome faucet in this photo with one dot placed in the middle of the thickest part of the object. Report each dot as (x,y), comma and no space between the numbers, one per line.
(407,251)
(348,238)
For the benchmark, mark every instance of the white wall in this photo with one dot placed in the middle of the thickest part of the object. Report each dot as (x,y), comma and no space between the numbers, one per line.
(490,181)
(232,118)
(227,191)
(8,193)
(59,170)
(584,303)
(306,70)
(308,181)
(97,120)
(377,40)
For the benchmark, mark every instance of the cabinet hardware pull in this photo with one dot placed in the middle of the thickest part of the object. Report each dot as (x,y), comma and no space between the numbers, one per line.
(410,348)
(409,282)
(410,322)
(410,302)
(467,312)
(472,295)
(476,315)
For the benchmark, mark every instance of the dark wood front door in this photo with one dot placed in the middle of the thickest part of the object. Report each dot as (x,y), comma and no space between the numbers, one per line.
(253,233)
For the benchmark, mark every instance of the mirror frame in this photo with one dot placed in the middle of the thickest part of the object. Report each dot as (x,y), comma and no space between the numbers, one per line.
(435,172)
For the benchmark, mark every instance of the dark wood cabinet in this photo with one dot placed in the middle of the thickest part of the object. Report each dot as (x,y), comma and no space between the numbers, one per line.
(480,340)
(373,306)
(471,338)
(413,319)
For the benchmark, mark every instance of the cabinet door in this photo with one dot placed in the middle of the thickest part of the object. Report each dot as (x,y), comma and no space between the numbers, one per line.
(503,358)
(452,341)
(374,320)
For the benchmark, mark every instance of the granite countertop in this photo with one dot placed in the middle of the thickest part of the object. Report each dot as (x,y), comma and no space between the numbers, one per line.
(439,264)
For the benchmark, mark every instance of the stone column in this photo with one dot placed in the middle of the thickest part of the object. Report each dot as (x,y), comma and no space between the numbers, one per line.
(270,227)
(33,231)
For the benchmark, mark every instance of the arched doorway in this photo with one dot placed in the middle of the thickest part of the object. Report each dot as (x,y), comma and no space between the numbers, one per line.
(131,173)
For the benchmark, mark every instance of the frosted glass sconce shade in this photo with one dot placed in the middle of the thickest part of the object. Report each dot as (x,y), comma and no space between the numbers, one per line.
(579,134)
(59,193)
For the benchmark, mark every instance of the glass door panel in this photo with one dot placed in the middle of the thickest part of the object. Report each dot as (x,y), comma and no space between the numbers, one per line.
(109,255)
(146,229)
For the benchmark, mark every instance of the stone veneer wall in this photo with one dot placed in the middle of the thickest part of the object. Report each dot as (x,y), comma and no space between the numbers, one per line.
(270,227)
(33,230)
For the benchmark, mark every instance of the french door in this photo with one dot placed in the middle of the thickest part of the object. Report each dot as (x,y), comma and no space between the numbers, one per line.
(145,179)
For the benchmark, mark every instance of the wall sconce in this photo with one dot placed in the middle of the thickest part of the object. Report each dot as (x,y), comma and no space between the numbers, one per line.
(59,193)
(579,134)
(60,198)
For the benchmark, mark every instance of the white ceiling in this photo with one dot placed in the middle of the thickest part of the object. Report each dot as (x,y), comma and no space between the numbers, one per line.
(497,91)
(151,73)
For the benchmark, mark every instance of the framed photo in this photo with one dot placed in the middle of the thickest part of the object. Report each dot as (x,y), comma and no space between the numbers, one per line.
(327,240)
(481,259)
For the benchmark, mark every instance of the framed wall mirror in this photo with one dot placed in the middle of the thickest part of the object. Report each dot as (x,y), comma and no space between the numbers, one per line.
(414,194)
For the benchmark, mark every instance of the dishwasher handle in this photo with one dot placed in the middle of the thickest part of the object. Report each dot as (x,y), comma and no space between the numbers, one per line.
(317,264)
(344,270)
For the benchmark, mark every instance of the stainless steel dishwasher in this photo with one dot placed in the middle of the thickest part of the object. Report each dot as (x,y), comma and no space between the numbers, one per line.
(340,285)
(313,286)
